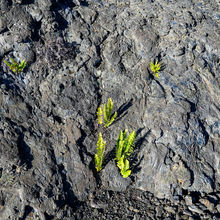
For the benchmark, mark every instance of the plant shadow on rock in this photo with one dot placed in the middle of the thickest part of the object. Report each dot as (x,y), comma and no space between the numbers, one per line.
(123,110)
(135,162)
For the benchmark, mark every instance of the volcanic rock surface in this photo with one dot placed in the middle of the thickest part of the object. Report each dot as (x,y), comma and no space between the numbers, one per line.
(79,53)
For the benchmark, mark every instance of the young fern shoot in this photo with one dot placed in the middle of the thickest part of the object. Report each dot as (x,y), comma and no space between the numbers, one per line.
(155,68)
(99,114)
(16,67)
(124,148)
(99,156)
(123,165)
(106,113)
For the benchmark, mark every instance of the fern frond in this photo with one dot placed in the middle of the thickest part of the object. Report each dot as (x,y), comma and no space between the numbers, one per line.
(119,146)
(123,165)
(120,163)
(7,63)
(109,108)
(107,112)
(126,171)
(14,62)
(99,114)
(111,120)
(124,148)
(99,156)
(129,148)
(14,66)
(155,68)
(23,63)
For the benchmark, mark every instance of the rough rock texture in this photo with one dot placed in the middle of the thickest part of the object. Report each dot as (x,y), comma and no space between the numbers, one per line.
(81,52)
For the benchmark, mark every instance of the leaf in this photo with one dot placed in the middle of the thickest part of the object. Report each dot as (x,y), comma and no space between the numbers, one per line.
(7,63)
(99,114)
(104,114)
(107,112)
(109,108)
(123,165)
(155,68)
(124,148)
(99,156)
(120,163)
(111,120)
(14,66)
(129,148)
(126,173)
(119,146)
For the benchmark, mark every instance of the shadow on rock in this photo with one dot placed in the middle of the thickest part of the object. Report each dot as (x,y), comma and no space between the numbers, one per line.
(24,152)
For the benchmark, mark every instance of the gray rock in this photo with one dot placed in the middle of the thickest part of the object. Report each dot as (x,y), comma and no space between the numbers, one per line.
(188,200)
(112,179)
(2,24)
(208,204)
(79,54)
(195,209)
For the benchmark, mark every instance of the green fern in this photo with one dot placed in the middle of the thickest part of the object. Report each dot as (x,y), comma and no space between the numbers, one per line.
(99,114)
(16,67)
(124,148)
(155,67)
(99,156)
(107,113)
(123,165)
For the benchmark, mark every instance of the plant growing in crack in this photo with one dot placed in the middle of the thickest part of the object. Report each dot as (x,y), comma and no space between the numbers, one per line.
(106,113)
(155,68)
(16,67)
(99,156)
(124,148)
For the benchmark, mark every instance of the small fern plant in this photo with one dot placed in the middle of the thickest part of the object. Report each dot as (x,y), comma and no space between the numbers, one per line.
(155,68)
(124,148)
(106,113)
(99,156)
(16,67)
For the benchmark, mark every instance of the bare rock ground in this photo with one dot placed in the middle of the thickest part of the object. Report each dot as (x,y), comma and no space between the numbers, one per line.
(80,53)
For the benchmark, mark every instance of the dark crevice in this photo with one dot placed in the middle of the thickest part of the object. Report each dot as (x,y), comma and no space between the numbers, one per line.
(210,181)
(192,177)
(27,210)
(99,60)
(24,152)
(83,3)
(27,2)
(58,119)
(48,217)
(192,110)
(95,173)
(204,132)
(81,147)
(70,198)
(35,36)
(192,106)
